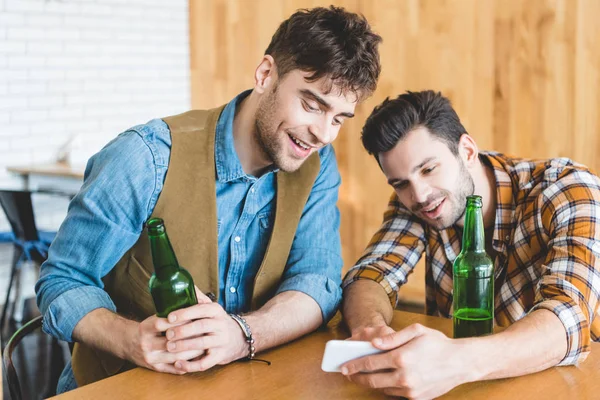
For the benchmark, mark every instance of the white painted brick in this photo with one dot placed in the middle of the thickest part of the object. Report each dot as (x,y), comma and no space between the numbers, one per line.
(11,75)
(49,132)
(66,113)
(26,88)
(44,47)
(78,48)
(16,158)
(12,47)
(85,125)
(11,19)
(63,7)
(21,33)
(46,74)
(28,116)
(96,9)
(13,102)
(96,35)
(44,20)
(65,62)
(48,102)
(83,74)
(62,33)
(24,5)
(105,65)
(66,86)
(26,61)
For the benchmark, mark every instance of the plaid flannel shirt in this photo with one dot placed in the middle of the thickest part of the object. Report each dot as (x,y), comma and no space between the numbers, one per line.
(547,240)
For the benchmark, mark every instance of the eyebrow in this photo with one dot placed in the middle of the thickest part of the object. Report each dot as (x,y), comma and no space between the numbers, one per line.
(312,95)
(395,181)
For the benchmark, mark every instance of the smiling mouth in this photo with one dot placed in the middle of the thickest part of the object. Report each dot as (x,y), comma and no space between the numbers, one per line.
(434,210)
(299,142)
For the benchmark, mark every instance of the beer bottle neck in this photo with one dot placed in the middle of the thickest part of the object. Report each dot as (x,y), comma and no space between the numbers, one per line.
(163,256)
(474,232)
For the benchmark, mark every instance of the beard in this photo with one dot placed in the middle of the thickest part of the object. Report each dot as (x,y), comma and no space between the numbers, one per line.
(267,135)
(456,200)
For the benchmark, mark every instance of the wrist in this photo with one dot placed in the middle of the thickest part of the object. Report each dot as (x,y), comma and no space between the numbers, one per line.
(473,354)
(128,339)
(375,322)
(248,349)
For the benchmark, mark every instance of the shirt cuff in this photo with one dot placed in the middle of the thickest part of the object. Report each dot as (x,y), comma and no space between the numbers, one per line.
(576,326)
(373,274)
(326,292)
(69,308)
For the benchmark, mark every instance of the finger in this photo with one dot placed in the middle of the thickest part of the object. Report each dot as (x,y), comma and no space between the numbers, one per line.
(204,363)
(155,325)
(399,338)
(167,368)
(372,363)
(203,342)
(163,357)
(196,312)
(193,329)
(375,381)
(202,298)
(153,343)
(396,392)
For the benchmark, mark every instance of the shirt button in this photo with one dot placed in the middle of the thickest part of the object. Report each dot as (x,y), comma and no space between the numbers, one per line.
(237,239)
(507,237)
(232,289)
(252,190)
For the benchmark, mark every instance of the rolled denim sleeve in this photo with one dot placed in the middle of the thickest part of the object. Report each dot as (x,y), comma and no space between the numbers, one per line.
(314,266)
(104,220)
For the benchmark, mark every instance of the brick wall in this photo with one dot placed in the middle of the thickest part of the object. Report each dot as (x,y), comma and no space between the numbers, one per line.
(90,68)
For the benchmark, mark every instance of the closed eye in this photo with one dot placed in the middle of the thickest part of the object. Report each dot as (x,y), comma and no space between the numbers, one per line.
(310,108)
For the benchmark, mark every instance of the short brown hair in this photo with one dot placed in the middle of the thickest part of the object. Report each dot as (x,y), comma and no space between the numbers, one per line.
(392,120)
(329,42)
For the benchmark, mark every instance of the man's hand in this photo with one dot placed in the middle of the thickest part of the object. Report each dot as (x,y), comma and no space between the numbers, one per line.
(148,343)
(148,346)
(369,333)
(421,363)
(207,329)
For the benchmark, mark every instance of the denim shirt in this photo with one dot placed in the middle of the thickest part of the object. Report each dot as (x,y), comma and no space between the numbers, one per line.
(121,187)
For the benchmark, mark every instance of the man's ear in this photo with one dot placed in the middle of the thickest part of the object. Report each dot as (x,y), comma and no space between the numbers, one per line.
(265,74)
(467,150)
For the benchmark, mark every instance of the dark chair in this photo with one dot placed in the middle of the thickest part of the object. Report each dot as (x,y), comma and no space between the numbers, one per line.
(28,246)
(12,380)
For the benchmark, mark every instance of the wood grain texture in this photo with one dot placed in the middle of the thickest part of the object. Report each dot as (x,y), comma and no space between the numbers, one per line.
(295,374)
(524,76)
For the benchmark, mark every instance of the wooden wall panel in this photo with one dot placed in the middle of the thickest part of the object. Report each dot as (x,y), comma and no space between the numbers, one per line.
(524,76)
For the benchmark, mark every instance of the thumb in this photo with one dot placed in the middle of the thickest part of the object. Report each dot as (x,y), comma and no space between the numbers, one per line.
(202,298)
(399,338)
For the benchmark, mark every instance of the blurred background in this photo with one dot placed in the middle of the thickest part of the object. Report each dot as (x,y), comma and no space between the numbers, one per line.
(524,76)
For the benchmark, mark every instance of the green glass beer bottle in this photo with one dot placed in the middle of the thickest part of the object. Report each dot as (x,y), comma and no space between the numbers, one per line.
(171,286)
(473,278)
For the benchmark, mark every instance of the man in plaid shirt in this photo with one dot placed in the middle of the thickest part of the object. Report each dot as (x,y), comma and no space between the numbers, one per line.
(542,231)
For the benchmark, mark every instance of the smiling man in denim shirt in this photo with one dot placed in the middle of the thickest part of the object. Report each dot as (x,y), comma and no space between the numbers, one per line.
(269,140)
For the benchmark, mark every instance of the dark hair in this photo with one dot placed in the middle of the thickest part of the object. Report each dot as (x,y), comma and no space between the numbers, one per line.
(393,119)
(329,42)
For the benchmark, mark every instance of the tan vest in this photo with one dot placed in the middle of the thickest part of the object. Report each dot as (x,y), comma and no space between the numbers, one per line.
(188,205)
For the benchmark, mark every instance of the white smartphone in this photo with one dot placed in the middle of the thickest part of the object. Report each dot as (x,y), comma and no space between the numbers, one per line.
(339,352)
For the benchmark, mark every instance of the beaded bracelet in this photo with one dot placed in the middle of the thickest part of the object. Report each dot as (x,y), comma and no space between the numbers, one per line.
(247,332)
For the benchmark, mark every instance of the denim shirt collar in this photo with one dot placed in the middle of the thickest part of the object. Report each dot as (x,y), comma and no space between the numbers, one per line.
(227,162)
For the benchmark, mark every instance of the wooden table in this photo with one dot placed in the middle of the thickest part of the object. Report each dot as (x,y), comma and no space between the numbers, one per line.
(296,373)
(57,169)
(58,176)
